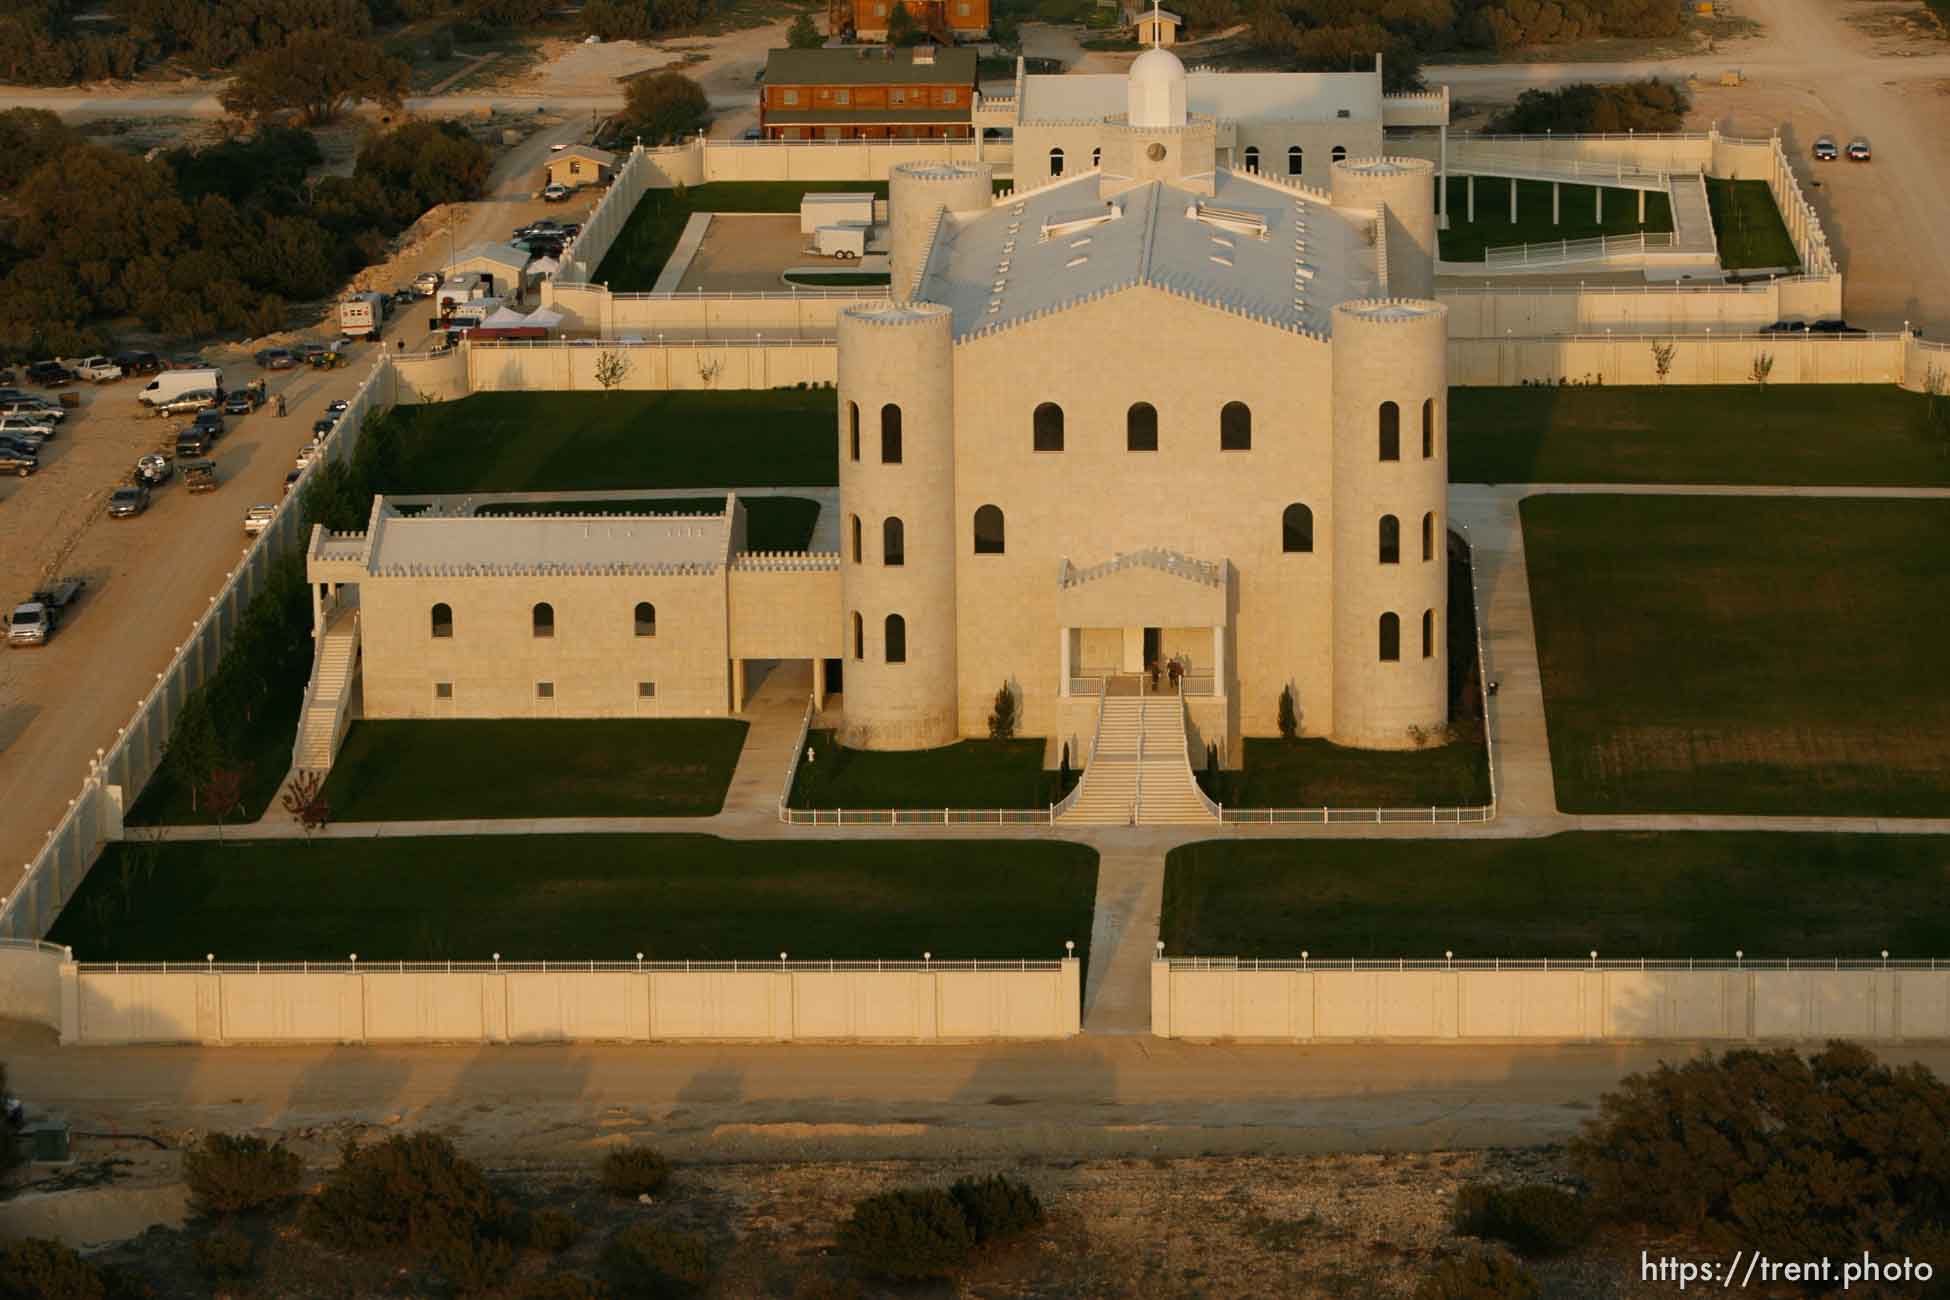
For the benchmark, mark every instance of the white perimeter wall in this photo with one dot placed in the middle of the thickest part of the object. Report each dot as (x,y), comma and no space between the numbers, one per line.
(341,1006)
(1569,1005)
(1697,359)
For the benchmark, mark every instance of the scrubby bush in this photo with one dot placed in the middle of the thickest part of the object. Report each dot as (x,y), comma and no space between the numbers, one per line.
(656,1263)
(551,1230)
(997,1207)
(564,1286)
(635,1171)
(235,1173)
(1479,1274)
(474,1264)
(1532,1219)
(1776,1152)
(1584,106)
(910,1233)
(410,1190)
(39,1269)
(226,1255)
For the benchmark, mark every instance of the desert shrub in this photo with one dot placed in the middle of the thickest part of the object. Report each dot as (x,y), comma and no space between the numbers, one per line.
(234,1173)
(635,1171)
(39,1269)
(910,1233)
(1479,1274)
(1586,106)
(824,1286)
(472,1265)
(564,1286)
(411,1190)
(656,1263)
(1532,1219)
(226,1255)
(552,1230)
(997,1207)
(1776,1152)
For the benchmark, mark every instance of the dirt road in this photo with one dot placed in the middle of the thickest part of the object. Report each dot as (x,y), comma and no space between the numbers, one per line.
(1084,1097)
(150,577)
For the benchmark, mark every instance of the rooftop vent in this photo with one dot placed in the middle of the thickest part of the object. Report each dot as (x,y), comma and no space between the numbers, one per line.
(1234,219)
(924,54)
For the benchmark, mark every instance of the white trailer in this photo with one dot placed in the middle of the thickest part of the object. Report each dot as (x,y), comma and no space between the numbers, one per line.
(362,315)
(847,239)
(816,210)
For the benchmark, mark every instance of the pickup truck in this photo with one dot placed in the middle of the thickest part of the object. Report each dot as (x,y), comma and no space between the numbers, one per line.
(96,370)
(35,618)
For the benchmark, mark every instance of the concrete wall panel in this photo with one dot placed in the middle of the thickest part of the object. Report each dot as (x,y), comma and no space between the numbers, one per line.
(148,1008)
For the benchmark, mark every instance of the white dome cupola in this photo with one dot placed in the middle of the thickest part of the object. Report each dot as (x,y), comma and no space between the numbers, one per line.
(1156,90)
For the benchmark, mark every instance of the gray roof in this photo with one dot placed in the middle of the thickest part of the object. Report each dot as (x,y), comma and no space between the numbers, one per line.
(484,545)
(1062,244)
(1228,96)
(866,65)
(500,254)
(589,151)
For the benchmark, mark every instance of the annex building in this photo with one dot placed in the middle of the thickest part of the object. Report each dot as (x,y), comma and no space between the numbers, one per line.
(1158,410)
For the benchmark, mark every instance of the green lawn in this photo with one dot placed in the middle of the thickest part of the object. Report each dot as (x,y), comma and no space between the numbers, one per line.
(1841,434)
(771,523)
(528,767)
(1465,240)
(581,897)
(647,239)
(838,279)
(590,442)
(1748,226)
(969,774)
(1744,655)
(1680,894)
(264,750)
(1312,773)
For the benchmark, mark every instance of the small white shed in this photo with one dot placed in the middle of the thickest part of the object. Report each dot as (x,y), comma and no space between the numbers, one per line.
(816,210)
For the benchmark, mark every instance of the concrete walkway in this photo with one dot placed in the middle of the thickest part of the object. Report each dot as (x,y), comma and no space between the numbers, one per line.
(681,256)
(1123,937)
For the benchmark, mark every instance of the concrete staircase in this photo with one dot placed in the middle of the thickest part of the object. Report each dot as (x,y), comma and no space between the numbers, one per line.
(1139,763)
(1109,789)
(1170,795)
(322,723)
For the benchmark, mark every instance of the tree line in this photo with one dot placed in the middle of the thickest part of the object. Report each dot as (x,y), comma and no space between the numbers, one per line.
(195,241)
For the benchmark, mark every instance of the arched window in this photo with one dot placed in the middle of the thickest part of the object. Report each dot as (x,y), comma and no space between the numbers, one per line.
(1391,639)
(896,639)
(1295,160)
(988,530)
(893,542)
(1056,162)
(542,619)
(853,426)
(1428,537)
(443,620)
(1252,158)
(1391,431)
(856,538)
(1340,153)
(646,618)
(1097,157)
(1235,427)
(1428,634)
(1391,540)
(1141,427)
(1297,530)
(859,636)
(1428,427)
(1047,427)
(890,434)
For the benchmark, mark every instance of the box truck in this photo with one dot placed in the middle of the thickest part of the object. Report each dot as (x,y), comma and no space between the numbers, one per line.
(362,314)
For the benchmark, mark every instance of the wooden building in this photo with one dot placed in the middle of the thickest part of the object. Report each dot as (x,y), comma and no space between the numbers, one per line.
(868,93)
(945,20)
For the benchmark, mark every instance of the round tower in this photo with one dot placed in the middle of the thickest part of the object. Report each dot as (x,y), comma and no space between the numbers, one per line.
(915,193)
(1391,522)
(897,525)
(1405,188)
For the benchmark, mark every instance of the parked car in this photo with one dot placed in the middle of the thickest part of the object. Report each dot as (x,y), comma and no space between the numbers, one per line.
(98,370)
(277,359)
(242,401)
(38,425)
(1834,327)
(200,475)
(138,363)
(39,406)
(1786,327)
(153,469)
(189,403)
(426,282)
(34,619)
(311,453)
(128,502)
(337,406)
(1825,150)
(50,374)
(1858,149)
(258,518)
(193,442)
(210,422)
(13,461)
(556,193)
(306,351)
(291,480)
(27,444)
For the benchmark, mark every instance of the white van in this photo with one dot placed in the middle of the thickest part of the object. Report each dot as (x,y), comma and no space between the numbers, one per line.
(171,384)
